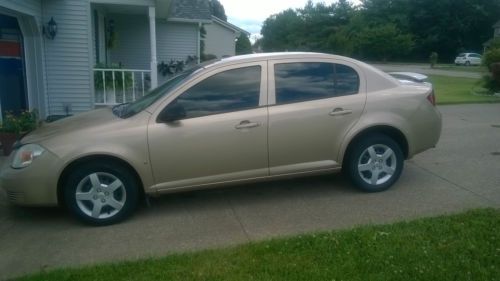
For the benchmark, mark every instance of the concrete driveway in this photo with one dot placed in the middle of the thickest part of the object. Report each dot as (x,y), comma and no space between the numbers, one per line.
(463,172)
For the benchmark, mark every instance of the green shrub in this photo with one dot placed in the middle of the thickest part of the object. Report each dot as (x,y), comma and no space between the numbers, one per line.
(24,122)
(491,56)
(208,57)
(108,78)
(433,59)
(495,75)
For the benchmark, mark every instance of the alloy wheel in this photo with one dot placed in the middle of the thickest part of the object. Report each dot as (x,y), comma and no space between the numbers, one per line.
(377,164)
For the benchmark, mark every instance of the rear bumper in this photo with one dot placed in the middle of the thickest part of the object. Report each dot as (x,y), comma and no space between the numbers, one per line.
(427,131)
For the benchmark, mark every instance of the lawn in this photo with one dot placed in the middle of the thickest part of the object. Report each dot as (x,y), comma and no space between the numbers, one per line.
(456,90)
(452,67)
(458,247)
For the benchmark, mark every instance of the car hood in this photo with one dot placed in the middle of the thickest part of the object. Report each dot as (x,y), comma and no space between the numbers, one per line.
(90,119)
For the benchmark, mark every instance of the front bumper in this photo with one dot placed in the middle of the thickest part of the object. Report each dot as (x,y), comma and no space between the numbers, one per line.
(35,185)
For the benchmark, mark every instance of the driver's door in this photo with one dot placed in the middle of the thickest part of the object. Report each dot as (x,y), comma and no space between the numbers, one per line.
(223,135)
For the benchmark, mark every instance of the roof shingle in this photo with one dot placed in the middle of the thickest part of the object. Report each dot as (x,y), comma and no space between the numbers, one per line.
(190,10)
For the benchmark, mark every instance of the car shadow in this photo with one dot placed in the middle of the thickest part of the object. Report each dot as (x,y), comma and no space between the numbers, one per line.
(255,193)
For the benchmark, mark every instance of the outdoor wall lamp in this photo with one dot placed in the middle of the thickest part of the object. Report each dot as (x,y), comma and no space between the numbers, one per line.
(50,29)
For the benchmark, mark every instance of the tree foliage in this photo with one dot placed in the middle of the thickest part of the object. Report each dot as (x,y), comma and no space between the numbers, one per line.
(243,45)
(217,9)
(390,29)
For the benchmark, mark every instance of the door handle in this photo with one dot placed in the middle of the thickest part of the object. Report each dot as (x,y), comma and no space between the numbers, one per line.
(246,124)
(340,112)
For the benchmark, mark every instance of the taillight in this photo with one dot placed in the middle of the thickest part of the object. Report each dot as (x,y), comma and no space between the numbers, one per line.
(432,98)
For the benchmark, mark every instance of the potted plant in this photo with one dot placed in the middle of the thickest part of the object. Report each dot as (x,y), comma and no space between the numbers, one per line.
(15,126)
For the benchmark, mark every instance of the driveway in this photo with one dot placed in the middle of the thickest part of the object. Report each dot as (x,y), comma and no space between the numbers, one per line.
(426,69)
(460,174)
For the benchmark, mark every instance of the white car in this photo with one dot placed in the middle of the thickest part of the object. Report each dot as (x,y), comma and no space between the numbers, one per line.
(468,59)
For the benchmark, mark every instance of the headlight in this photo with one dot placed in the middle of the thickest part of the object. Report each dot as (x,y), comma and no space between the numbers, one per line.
(25,155)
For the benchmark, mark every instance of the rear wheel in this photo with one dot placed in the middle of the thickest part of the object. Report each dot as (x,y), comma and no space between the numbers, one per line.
(375,163)
(101,193)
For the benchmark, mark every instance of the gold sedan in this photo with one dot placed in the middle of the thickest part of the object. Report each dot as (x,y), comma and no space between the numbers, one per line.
(239,119)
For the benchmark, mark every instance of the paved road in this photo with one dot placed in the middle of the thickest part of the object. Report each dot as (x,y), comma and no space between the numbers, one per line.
(425,69)
(463,172)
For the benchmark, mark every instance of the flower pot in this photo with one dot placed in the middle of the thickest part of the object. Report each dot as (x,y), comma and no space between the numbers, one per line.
(8,140)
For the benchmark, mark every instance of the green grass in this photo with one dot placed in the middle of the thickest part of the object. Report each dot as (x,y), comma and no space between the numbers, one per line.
(457,247)
(452,67)
(458,90)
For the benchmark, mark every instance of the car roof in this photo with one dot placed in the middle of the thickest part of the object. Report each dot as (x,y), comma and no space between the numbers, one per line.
(276,56)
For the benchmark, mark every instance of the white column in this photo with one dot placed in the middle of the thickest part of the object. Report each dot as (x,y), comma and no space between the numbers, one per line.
(199,43)
(152,36)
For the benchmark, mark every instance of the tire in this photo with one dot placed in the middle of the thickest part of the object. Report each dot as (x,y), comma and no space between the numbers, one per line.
(467,63)
(374,163)
(107,193)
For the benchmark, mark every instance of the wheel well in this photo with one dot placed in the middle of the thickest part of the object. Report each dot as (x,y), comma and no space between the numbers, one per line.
(97,158)
(389,131)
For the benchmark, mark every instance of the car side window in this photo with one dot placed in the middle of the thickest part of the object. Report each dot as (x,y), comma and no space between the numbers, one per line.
(346,80)
(228,91)
(298,82)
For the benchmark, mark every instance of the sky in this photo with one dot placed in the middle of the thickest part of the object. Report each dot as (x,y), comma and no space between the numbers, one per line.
(250,15)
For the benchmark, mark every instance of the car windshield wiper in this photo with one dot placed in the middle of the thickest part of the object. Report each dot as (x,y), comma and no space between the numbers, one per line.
(118,109)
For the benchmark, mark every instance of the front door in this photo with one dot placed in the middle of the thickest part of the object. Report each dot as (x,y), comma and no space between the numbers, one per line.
(13,97)
(221,135)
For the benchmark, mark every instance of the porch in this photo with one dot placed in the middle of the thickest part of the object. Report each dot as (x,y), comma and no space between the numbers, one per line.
(116,80)
(131,43)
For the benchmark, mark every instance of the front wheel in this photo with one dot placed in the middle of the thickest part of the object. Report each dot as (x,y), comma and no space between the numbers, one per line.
(375,163)
(101,193)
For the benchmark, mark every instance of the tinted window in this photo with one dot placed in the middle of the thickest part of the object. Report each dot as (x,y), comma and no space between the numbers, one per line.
(346,80)
(231,90)
(296,82)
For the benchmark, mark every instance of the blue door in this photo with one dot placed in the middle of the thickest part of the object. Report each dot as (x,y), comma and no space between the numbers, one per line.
(13,96)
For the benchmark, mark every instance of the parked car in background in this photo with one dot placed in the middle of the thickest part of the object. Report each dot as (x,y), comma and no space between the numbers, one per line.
(468,59)
(236,120)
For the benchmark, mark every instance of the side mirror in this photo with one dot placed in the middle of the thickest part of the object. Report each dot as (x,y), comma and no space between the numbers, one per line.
(173,112)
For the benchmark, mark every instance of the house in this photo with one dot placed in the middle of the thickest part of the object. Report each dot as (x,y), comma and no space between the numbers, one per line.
(221,38)
(496,34)
(69,56)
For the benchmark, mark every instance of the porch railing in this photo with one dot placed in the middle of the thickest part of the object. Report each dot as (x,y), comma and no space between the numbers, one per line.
(115,86)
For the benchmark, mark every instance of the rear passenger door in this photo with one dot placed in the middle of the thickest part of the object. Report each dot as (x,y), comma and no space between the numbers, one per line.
(312,104)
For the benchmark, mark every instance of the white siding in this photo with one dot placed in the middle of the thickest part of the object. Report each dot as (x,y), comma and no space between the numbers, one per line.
(132,49)
(68,58)
(219,41)
(176,41)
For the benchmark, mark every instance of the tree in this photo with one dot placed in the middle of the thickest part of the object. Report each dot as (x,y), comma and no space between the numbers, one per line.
(243,45)
(384,42)
(281,32)
(217,9)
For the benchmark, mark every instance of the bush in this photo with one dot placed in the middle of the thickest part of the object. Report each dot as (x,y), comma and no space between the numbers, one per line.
(208,57)
(24,122)
(491,56)
(495,74)
(433,59)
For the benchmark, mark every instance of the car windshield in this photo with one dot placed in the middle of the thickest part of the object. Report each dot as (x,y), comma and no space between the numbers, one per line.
(126,110)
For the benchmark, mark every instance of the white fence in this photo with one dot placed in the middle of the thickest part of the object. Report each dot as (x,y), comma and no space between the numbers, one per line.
(115,86)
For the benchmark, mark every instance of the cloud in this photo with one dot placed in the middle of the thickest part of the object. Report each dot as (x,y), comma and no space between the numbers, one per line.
(249,15)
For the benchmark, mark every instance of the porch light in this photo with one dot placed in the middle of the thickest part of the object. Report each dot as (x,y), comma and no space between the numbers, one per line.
(50,29)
